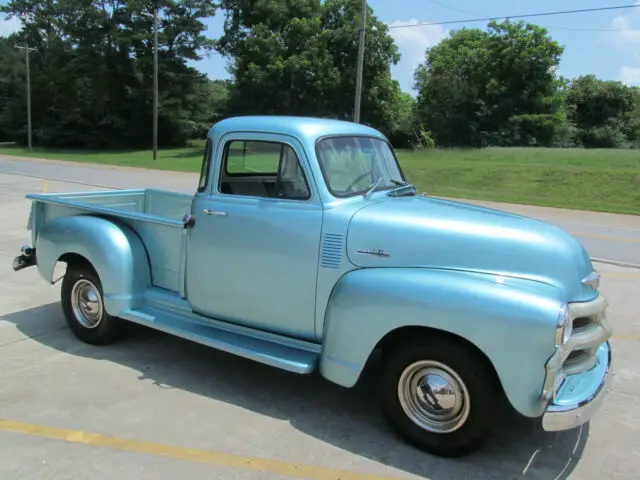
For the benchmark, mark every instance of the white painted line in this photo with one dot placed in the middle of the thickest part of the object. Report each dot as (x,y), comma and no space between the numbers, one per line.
(599,225)
(615,262)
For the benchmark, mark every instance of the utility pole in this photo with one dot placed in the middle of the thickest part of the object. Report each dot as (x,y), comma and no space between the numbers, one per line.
(155,82)
(26,49)
(363,24)
(155,76)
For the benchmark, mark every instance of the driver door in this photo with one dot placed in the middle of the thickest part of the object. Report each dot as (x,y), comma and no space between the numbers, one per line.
(253,251)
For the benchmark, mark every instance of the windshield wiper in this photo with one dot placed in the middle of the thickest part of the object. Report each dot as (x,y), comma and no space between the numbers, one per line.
(372,187)
(401,188)
(402,183)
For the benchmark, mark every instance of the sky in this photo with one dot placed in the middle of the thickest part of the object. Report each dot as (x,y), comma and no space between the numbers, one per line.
(605,43)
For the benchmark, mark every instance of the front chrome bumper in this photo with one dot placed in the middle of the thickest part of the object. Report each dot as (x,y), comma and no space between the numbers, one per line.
(581,395)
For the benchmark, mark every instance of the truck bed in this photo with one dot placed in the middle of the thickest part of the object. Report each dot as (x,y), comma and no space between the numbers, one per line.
(155,215)
(153,205)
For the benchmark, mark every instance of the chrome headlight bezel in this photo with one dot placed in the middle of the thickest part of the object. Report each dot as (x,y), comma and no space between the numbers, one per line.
(564,326)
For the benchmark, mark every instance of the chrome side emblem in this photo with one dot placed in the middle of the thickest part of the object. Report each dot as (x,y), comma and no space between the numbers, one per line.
(592,280)
(378,252)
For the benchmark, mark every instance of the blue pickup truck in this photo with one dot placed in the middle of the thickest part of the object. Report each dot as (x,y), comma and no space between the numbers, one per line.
(305,248)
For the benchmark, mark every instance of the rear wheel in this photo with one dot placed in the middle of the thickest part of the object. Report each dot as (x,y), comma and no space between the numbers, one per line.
(439,396)
(83,306)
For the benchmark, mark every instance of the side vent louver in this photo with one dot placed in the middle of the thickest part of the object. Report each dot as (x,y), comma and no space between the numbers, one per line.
(331,252)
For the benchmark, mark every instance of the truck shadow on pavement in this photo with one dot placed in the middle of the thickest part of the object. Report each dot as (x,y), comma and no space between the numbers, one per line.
(345,418)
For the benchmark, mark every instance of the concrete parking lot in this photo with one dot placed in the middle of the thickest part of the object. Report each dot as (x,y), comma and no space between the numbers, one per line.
(154,406)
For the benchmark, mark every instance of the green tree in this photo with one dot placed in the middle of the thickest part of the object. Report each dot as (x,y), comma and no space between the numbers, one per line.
(402,128)
(451,87)
(494,87)
(633,122)
(300,57)
(381,95)
(605,112)
(211,105)
(92,74)
(12,86)
(275,56)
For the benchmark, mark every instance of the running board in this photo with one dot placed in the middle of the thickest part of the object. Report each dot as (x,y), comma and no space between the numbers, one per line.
(240,341)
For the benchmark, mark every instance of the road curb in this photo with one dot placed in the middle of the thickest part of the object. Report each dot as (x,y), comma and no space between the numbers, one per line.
(615,262)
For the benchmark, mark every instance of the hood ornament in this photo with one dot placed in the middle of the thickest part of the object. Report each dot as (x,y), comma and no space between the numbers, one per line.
(378,252)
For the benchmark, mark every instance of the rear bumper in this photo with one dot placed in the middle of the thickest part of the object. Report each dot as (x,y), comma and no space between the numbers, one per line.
(581,395)
(27,258)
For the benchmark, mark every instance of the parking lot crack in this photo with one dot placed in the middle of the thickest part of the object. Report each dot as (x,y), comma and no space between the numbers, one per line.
(41,334)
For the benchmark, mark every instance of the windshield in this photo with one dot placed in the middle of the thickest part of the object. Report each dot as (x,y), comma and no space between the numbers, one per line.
(352,165)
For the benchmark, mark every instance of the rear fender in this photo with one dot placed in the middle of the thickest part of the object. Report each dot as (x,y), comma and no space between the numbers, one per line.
(115,252)
(511,321)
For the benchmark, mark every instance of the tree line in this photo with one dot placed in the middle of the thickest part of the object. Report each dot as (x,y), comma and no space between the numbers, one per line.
(92,77)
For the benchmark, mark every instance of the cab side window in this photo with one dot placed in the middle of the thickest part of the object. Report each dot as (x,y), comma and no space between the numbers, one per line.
(206,167)
(263,169)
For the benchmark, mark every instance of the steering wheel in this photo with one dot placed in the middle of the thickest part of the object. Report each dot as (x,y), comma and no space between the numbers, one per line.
(357,180)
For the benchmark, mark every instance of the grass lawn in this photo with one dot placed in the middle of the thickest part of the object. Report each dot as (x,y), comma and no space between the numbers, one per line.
(601,180)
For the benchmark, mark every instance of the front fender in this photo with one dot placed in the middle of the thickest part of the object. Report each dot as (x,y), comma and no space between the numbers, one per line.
(512,321)
(115,252)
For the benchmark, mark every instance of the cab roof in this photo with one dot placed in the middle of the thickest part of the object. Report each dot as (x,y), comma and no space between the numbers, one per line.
(307,129)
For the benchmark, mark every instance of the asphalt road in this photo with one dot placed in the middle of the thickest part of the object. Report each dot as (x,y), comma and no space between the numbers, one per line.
(606,236)
(156,407)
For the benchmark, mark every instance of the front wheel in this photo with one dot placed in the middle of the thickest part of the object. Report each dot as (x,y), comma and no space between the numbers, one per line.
(83,306)
(439,396)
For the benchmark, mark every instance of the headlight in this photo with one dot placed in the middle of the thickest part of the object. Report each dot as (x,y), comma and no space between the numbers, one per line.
(564,327)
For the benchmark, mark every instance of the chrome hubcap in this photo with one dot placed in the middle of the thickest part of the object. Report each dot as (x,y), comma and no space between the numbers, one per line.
(86,303)
(433,396)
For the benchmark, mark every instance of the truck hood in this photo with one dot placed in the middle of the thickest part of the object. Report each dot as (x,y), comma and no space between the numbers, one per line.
(419,231)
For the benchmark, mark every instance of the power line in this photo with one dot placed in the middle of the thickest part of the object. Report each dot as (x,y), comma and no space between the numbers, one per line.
(451,7)
(548,27)
(528,15)
(581,29)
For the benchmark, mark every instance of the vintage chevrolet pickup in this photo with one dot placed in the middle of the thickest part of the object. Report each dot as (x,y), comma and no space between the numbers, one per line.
(305,248)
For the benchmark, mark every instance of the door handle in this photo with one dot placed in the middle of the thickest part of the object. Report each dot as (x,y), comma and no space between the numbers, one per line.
(208,211)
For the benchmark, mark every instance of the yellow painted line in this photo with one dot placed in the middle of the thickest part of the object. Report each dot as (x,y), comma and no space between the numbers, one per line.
(606,237)
(620,275)
(632,338)
(45,186)
(278,467)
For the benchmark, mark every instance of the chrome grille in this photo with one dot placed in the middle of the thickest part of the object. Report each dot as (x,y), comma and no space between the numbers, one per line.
(582,323)
(590,330)
(576,356)
(579,360)
(588,313)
